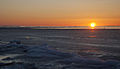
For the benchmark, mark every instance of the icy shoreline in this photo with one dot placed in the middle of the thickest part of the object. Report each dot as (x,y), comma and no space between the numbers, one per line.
(43,57)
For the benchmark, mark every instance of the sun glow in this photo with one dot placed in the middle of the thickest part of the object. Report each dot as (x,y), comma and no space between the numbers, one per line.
(93,24)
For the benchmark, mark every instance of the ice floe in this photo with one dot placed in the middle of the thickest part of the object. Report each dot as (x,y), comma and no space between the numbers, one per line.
(43,57)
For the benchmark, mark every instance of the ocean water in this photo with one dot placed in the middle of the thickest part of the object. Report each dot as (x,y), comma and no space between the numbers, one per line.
(103,44)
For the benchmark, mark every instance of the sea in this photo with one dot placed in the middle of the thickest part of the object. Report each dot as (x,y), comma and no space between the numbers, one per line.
(88,43)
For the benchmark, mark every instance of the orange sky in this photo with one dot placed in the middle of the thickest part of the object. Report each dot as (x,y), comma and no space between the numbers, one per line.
(59,12)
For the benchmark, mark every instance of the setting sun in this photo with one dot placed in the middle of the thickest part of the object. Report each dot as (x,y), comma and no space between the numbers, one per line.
(93,24)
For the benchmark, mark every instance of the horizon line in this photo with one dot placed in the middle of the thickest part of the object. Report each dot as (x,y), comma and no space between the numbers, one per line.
(57,26)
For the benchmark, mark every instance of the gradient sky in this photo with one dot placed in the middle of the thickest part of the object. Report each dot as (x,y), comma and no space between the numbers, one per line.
(59,12)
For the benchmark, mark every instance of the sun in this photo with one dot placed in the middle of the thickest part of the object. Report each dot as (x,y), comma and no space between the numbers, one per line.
(93,24)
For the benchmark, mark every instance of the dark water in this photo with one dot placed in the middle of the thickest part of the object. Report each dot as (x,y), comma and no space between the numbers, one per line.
(103,44)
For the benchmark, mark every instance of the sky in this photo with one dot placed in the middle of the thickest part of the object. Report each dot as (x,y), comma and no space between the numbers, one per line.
(59,12)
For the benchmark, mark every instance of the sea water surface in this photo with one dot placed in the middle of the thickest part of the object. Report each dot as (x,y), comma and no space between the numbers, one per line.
(90,43)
